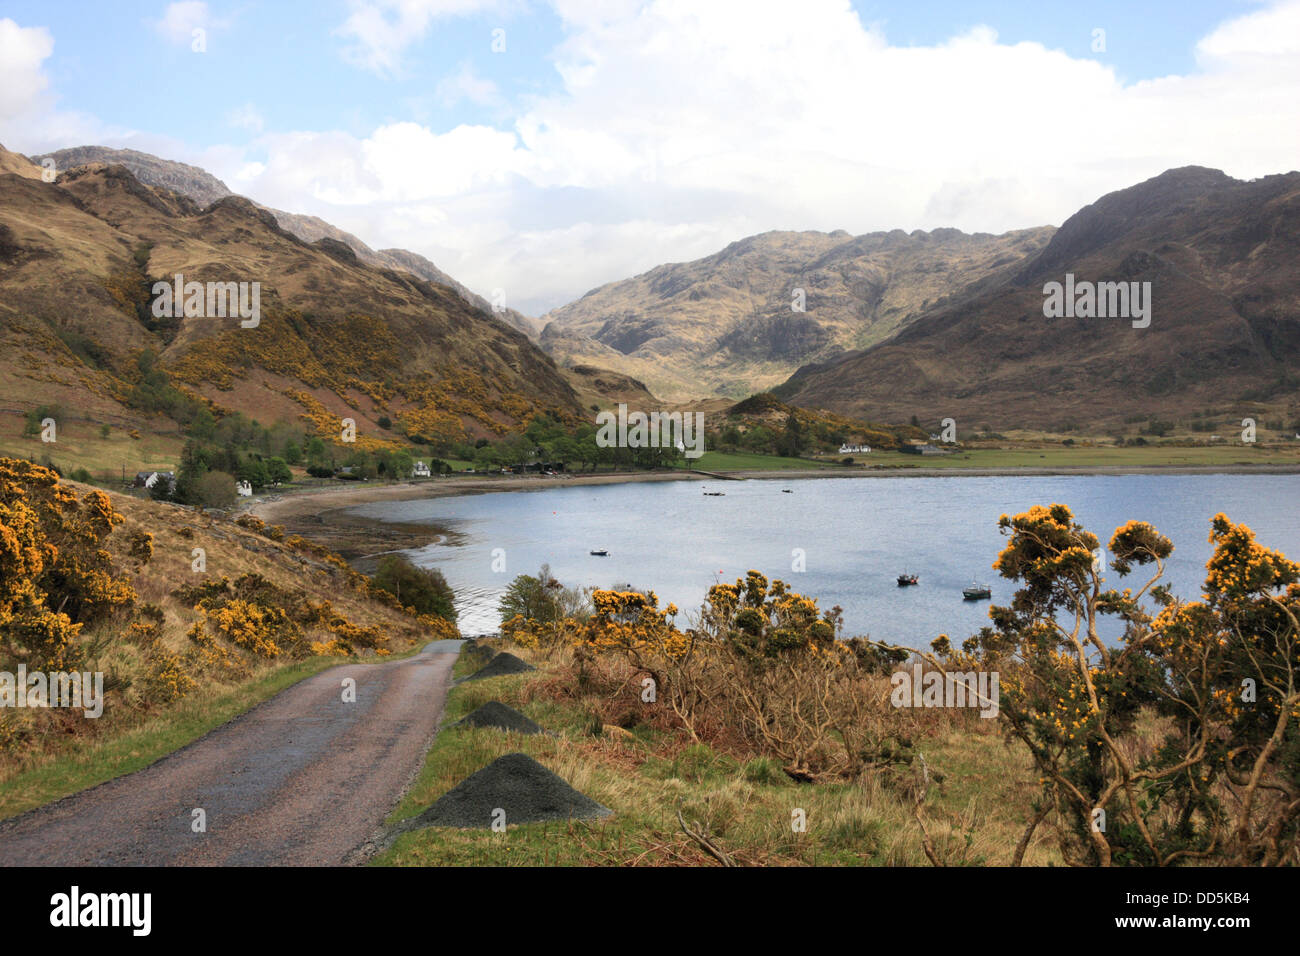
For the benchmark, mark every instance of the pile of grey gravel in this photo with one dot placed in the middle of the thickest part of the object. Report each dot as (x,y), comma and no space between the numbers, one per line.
(511,789)
(504,663)
(498,715)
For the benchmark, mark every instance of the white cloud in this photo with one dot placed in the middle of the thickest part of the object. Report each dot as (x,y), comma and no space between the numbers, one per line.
(180,20)
(466,85)
(22,51)
(30,120)
(1271,32)
(379,31)
(247,117)
(682,126)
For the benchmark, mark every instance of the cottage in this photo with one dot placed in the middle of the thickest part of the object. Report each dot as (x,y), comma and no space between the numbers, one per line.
(150,479)
(855,449)
(421,470)
(243,489)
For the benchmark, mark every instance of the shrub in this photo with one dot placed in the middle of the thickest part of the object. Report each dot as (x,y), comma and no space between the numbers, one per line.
(55,572)
(424,589)
(215,489)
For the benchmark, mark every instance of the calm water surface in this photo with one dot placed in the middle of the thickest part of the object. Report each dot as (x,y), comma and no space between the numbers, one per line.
(856,536)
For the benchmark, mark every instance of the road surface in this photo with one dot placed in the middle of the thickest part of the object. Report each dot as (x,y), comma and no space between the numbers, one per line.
(303,779)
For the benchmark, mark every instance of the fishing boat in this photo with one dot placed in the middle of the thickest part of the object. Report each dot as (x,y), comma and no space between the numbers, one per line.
(904,580)
(601,553)
(977,592)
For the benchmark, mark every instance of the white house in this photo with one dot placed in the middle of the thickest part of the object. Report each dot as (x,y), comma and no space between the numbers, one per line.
(855,449)
(243,489)
(421,470)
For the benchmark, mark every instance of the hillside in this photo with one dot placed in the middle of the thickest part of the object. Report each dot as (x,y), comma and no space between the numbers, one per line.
(1223,260)
(205,189)
(337,337)
(175,608)
(724,324)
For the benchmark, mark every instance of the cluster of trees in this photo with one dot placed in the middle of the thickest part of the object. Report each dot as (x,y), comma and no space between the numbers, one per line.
(802,433)
(329,461)
(548,439)
(236,448)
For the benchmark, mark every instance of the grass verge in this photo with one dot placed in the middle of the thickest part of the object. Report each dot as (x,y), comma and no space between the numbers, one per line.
(748,807)
(87,763)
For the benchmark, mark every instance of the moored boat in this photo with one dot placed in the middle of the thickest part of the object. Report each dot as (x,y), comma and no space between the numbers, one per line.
(904,580)
(977,592)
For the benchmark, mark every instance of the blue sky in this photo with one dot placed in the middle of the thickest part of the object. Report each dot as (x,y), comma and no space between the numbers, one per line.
(288,58)
(609,136)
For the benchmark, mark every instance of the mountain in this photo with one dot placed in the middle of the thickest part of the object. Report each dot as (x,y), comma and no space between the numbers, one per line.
(1222,258)
(726,324)
(336,336)
(205,189)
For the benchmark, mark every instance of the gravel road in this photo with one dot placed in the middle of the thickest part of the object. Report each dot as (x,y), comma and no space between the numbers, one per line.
(303,779)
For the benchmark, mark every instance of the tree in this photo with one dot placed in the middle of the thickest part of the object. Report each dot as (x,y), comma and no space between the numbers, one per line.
(254,471)
(203,426)
(532,598)
(216,489)
(316,452)
(278,471)
(192,468)
(792,441)
(424,589)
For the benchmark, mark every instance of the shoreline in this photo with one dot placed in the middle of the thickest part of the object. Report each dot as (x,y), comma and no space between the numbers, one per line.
(324,515)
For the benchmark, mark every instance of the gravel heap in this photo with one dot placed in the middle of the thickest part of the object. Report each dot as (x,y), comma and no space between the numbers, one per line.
(517,784)
(503,663)
(498,715)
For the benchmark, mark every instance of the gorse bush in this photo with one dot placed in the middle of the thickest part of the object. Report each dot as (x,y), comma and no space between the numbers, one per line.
(1178,744)
(762,674)
(55,574)
(1220,782)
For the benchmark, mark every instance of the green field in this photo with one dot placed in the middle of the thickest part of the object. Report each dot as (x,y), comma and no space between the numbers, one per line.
(1149,456)
(79,445)
(746,461)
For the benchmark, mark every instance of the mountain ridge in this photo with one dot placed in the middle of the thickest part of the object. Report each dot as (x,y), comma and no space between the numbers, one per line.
(748,316)
(337,337)
(204,188)
(1221,256)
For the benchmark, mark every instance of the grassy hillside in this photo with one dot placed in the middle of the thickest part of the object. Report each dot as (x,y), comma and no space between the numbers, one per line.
(190,619)
(337,338)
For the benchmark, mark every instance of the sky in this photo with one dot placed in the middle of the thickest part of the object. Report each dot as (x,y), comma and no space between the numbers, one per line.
(538,149)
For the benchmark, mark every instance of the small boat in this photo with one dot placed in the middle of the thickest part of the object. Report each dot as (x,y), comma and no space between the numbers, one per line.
(905,580)
(602,553)
(786,491)
(977,592)
(716,494)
